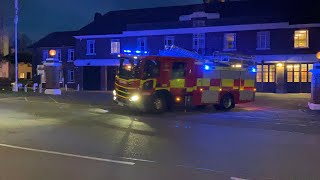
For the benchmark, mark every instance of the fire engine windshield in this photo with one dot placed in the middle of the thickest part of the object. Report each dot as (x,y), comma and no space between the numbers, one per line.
(129,68)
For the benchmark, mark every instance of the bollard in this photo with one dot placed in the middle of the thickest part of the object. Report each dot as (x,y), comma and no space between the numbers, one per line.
(78,87)
(66,87)
(314,103)
(25,88)
(35,87)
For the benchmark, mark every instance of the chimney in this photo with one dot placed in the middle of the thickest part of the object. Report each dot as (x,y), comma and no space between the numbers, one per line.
(97,16)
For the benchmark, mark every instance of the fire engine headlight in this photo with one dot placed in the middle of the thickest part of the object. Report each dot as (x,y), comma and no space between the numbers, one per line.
(114,92)
(134,98)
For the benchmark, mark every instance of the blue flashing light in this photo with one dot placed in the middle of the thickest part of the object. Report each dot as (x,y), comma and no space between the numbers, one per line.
(146,52)
(127,51)
(138,52)
(206,67)
(253,69)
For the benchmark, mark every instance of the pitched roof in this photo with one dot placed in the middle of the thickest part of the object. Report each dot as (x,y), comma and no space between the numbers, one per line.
(56,39)
(231,12)
(114,22)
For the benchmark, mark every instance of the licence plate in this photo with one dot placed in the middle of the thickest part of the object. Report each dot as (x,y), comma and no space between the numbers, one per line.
(120,104)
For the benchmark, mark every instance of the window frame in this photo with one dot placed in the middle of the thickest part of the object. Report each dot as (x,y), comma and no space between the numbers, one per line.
(89,43)
(296,41)
(117,48)
(263,40)
(300,72)
(200,38)
(167,39)
(71,80)
(268,72)
(226,43)
(70,51)
(172,70)
(59,54)
(139,44)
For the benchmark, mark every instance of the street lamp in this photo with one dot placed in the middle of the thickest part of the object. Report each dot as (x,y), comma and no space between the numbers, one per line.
(16,44)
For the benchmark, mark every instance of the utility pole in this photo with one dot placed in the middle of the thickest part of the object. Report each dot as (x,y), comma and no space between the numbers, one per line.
(16,44)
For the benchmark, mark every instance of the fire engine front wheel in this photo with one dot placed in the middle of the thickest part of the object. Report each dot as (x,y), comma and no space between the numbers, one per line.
(226,103)
(159,104)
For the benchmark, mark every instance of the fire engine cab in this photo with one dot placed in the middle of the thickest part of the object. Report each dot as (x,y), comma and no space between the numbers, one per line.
(180,77)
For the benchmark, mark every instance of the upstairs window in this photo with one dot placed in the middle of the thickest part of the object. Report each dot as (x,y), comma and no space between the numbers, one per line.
(168,41)
(301,39)
(263,40)
(142,44)
(59,54)
(230,42)
(91,47)
(198,42)
(115,46)
(71,55)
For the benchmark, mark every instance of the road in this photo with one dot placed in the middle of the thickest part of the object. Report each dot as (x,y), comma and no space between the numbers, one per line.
(85,136)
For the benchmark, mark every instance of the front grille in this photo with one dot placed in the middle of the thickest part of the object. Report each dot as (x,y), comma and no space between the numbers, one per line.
(122,93)
(122,89)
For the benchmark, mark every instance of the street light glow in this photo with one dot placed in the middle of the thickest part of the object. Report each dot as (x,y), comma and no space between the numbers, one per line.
(52,53)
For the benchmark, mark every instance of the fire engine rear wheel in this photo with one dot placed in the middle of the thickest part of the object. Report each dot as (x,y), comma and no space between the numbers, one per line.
(159,104)
(226,103)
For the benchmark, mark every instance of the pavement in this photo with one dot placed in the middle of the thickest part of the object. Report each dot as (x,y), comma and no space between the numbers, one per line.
(83,135)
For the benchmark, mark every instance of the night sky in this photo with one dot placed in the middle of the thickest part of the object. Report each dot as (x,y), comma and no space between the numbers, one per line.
(40,17)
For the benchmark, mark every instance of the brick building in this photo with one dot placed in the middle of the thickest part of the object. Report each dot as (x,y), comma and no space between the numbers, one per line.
(64,44)
(282,41)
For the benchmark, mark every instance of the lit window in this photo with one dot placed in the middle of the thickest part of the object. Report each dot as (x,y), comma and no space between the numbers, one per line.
(289,73)
(21,75)
(45,55)
(310,67)
(259,73)
(296,73)
(70,76)
(263,40)
(71,55)
(304,73)
(272,73)
(265,73)
(142,44)
(91,47)
(168,41)
(301,39)
(115,46)
(230,42)
(198,42)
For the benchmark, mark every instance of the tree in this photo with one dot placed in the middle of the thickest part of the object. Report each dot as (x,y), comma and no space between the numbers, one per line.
(22,57)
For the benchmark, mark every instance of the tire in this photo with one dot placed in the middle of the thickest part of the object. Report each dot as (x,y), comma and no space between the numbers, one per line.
(226,103)
(159,104)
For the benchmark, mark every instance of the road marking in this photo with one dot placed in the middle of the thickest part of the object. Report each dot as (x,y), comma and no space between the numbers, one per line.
(25,98)
(236,178)
(67,154)
(53,100)
(134,159)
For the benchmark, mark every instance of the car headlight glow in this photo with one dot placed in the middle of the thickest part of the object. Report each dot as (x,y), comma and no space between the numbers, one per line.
(114,92)
(135,98)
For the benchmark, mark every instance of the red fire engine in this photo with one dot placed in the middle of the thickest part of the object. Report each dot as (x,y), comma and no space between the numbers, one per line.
(181,77)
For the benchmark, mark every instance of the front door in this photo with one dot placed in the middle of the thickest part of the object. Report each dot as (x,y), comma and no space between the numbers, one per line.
(92,78)
(280,81)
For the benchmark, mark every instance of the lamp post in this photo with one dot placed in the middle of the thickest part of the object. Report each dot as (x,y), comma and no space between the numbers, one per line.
(16,44)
